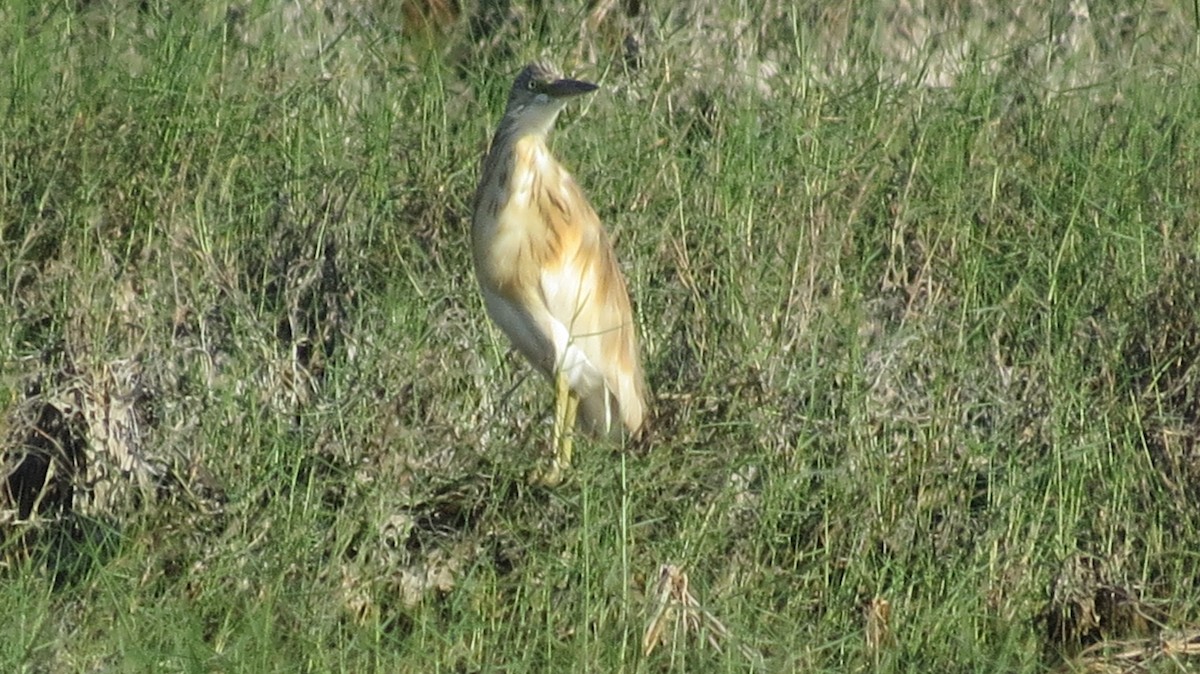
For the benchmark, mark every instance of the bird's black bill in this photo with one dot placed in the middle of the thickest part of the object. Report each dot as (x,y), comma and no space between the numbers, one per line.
(567,88)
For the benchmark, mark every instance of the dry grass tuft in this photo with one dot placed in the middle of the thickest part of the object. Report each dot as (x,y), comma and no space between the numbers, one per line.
(676,613)
(1088,608)
(1177,651)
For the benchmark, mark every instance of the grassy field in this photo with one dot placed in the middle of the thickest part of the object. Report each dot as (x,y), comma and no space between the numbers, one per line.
(922,319)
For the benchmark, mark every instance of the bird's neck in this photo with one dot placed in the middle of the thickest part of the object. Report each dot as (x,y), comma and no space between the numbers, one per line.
(515,151)
(512,133)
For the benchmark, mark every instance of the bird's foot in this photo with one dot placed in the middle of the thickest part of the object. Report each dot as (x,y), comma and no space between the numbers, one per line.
(550,475)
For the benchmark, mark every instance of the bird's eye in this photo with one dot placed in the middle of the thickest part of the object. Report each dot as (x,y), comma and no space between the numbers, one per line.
(532,86)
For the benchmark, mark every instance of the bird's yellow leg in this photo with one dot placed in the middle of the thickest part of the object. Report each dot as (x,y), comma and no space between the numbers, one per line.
(562,457)
(566,404)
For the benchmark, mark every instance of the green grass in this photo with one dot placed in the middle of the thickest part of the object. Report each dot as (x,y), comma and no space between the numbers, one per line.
(936,346)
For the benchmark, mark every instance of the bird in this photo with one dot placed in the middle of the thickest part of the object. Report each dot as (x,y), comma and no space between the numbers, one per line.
(549,275)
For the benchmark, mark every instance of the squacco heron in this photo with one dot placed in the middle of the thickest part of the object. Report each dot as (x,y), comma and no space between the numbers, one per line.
(548,273)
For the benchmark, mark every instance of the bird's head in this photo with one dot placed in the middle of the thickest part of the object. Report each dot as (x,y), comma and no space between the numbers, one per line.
(538,95)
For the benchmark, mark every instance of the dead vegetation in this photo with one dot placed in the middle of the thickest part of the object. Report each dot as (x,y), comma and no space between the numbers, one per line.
(101,428)
(1095,624)
(1089,606)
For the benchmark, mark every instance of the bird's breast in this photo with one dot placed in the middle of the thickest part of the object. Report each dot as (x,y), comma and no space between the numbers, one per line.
(533,228)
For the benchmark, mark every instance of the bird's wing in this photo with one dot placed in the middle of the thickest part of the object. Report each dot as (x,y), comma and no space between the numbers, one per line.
(595,335)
